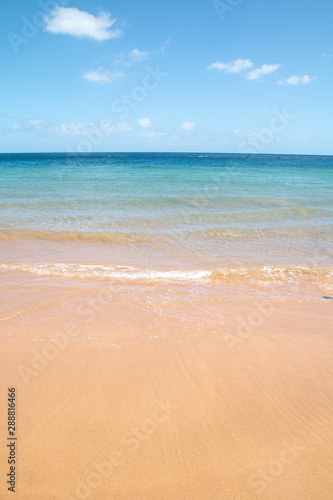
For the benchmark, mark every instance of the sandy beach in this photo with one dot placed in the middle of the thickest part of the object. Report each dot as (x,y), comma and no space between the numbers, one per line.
(169,339)
(162,397)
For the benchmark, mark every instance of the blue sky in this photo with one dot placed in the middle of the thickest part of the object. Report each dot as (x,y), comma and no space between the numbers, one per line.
(212,76)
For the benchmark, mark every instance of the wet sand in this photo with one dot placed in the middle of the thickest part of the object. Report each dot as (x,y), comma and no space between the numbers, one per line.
(141,393)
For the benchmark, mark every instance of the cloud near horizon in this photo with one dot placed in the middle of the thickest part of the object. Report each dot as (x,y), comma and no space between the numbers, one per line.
(187,125)
(144,123)
(81,24)
(84,128)
(79,129)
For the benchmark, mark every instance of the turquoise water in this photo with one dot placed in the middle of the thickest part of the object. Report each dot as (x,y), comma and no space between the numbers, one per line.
(219,209)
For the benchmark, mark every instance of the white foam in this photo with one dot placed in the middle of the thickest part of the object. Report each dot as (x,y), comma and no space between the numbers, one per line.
(103,271)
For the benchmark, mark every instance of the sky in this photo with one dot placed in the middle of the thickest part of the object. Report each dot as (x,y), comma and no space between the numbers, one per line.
(233,76)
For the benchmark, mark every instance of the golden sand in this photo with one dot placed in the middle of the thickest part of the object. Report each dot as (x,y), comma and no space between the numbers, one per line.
(140,393)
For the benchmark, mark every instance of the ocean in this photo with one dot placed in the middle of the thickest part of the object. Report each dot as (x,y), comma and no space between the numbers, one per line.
(170,217)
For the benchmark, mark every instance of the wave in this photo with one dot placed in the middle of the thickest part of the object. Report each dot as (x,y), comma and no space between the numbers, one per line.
(153,238)
(274,273)
(88,236)
(259,234)
(99,271)
(220,275)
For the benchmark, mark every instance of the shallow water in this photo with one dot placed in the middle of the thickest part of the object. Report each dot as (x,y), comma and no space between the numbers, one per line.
(168,217)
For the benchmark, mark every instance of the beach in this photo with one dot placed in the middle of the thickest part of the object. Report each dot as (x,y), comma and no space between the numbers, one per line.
(166,322)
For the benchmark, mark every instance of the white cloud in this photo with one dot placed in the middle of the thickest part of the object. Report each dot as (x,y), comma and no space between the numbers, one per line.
(187,125)
(78,23)
(265,69)
(74,128)
(102,76)
(152,135)
(121,59)
(297,80)
(123,127)
(304,139)
(36,123)
(78,129)
(237,66)
(309,139)
(106,128)
(145,123)
(243,66)
(137,55)
(86,128)
(165,44)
